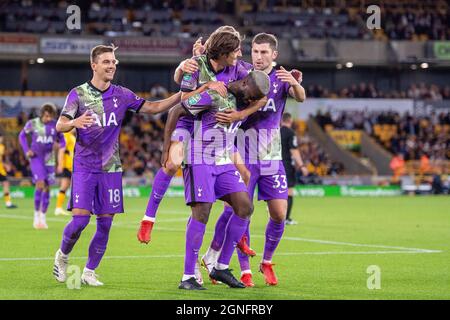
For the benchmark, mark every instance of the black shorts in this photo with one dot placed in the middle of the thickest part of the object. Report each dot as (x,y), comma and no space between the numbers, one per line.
(3,178)
(66,174)
(290,175)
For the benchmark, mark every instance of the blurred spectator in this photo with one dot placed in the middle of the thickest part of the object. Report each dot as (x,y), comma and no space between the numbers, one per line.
(363,90)
(398,167)
(159,92)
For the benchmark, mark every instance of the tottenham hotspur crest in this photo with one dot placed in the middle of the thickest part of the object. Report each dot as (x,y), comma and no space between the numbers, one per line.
(115,102)
(199,192)
(275,86)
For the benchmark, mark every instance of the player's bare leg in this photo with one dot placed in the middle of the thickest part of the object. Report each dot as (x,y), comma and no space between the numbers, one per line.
(274,232)
(213,252)
(159,188)
(65,184)
(238,223)
(244,244)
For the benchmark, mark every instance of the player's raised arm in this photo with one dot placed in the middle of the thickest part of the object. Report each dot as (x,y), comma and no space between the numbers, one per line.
(188,66)
(296,90)
(153,107)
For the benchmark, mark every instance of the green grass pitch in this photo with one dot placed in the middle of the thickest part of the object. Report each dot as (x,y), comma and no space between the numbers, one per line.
(325,256)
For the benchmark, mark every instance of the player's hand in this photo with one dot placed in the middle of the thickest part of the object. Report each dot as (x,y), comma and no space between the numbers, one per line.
(198,48)
(217,86)
(30,154)
(298,75)
(189,66)
(245,174)
(304,171)
(59,169)
(286,76)
(228,116)
(84,121)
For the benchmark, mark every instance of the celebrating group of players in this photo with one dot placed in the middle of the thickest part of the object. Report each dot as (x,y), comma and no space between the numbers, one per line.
(222,99)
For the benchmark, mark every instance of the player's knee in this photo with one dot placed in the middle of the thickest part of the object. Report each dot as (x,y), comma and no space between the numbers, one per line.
(171,168)
(201,215)
(40,185)
(245,211)
(278,218)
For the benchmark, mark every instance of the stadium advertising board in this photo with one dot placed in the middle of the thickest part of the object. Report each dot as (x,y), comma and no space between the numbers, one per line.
(441,50)
(152,46)
(301,191)
(69,45)
(11,43)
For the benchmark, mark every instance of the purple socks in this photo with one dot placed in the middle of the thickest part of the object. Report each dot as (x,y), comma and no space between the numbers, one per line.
(37,199)
(219,231)
(159,188)
(233,233)
(45,200)
(99,242)
(274,231)
(244,260)
(72,232)
(194,238)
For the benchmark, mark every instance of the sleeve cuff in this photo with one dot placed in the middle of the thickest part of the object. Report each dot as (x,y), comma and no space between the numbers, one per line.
(68,116)
(140,106)
(187,110)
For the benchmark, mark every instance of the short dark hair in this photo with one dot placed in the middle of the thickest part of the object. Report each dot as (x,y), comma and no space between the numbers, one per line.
(261,38)
(222,43)
(49,108)
(286,116)
(98,50)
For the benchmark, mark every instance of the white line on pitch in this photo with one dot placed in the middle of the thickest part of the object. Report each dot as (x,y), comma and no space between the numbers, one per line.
(125,226)
(181,255)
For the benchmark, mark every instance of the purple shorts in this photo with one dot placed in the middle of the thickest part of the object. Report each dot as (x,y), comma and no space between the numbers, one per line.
(42,172)
(183,129)
(99,193)
(270,178)
(207,183)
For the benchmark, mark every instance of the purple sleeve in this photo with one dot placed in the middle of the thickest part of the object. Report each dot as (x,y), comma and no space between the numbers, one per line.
(189,82)
(133,102)
(70,108)
(197,103)
(23,138)
(243,69)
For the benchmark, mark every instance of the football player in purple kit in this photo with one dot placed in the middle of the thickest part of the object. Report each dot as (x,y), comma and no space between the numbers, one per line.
(209,173)
(37,139)
(267,170)
(213,71)
(96,109)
